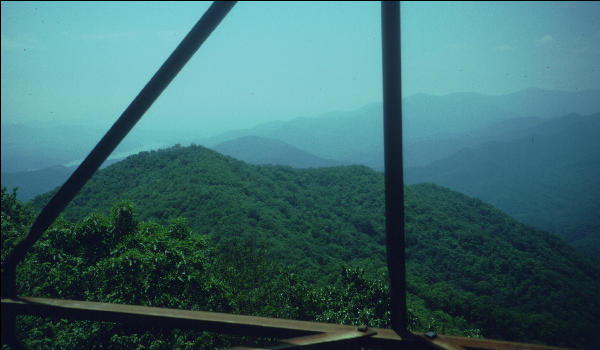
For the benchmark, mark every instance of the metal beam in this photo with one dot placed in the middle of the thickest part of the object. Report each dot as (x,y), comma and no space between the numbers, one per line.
(304,332)
(143,318)
(134,112)
(487,344)
(394,181)
(321,340)
(159,82)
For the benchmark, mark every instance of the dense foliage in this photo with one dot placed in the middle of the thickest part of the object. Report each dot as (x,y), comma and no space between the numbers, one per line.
(120,260)
(313,219)
(544,172)
(478,268)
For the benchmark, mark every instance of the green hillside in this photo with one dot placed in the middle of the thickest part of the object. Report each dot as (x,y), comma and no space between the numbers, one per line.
(465,258)
(548,178)
(118,259)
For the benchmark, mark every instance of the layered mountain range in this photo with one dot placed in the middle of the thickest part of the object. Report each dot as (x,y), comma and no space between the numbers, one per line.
(464,257)
(533,154)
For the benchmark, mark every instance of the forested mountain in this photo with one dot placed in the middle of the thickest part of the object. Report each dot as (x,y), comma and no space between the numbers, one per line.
(466,259)
(547,176)
(262,150)
(436,127)
(542,171)
(118,259)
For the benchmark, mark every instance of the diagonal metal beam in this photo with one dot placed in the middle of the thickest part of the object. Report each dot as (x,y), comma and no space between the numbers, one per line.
(134,112)
(159,82)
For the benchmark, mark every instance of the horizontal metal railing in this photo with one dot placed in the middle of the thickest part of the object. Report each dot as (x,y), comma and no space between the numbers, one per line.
(144,317)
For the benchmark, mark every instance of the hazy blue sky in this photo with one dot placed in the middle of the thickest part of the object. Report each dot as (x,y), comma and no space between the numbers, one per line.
(86,61)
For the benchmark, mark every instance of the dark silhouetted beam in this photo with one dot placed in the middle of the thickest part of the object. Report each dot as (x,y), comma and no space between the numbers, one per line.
(394,182)
(159,82)
(144,318)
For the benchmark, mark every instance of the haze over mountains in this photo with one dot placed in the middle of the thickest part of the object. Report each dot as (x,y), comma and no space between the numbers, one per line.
(35,182)
(262,150)
(547,176)
(434,126)
(524,152)
(465,257)
(27,147)
(354,136)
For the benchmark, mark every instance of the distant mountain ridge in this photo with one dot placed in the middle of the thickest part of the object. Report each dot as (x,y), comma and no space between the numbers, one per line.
(438,128)
(262,150)
(547,176)
(356,137)
(35,182)
(451,129)
(30,148)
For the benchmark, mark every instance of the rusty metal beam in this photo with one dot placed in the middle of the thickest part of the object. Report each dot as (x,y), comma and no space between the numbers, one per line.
(143,317)
(327,340)
(480,343)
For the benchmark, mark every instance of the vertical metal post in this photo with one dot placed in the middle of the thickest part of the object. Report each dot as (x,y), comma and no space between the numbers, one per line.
(394,181)
(9,328)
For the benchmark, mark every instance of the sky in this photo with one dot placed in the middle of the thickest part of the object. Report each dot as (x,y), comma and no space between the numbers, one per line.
(72,62)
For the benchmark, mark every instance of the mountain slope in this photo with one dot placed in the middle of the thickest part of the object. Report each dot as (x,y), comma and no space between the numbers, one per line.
(424,152)
(549,178)
(349,137)
(262,150)
(464,256)
(550,103)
